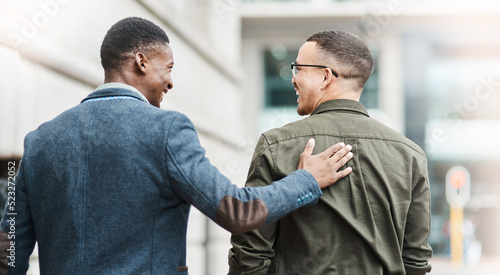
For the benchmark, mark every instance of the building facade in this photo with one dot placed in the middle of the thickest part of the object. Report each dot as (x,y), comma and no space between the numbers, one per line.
(52,48)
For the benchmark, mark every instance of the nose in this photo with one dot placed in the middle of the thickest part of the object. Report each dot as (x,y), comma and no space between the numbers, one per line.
(170,84)
(293,81)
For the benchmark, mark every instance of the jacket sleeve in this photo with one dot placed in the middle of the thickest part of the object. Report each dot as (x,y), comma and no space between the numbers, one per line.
(18,226)
(416,250)
(252,252)
(236,209)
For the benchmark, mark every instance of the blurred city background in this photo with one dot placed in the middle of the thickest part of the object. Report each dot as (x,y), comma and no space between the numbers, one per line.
(437,80)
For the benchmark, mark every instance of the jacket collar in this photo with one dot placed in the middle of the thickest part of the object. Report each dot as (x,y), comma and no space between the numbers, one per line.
(102,92)
(342,105)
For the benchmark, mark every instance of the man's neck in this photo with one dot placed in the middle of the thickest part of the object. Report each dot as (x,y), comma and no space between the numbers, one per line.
(351,95)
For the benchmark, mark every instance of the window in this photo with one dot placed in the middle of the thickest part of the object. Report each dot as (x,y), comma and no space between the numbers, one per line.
(279,90)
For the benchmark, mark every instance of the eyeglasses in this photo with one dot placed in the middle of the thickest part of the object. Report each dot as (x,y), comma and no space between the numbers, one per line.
(294,66)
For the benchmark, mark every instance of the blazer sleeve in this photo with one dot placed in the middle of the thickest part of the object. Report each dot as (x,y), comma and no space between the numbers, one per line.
(252,252)
(416,250)
(236,209)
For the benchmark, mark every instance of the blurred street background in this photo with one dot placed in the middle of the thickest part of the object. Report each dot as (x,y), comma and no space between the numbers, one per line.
(437,80)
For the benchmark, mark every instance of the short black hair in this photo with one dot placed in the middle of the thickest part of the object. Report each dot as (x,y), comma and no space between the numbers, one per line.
(349,53)
(129,36)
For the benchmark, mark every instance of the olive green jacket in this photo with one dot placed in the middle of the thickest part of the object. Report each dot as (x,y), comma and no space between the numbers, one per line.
(375,221)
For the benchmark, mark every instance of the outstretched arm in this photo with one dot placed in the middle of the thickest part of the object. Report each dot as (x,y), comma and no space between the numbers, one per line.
(241,209)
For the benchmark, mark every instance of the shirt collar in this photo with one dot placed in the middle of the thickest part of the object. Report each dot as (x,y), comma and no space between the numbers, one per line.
(345,105)
(121,86)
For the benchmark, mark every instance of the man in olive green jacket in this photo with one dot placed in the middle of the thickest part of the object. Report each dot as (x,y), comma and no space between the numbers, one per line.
(377,220)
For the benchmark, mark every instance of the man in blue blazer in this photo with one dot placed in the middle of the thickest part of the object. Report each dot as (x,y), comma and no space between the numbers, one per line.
(106,187)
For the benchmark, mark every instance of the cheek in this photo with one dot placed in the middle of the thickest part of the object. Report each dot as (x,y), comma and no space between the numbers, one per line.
(312,85)
(166,77)
(305,88)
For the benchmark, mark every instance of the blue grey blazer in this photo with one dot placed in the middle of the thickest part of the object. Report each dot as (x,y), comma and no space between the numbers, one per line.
(106,188)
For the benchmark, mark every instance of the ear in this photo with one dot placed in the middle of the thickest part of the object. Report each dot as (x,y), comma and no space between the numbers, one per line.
(328,78)
(141,62)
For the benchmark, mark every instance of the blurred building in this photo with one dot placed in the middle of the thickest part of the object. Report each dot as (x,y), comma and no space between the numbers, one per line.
(437,81)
